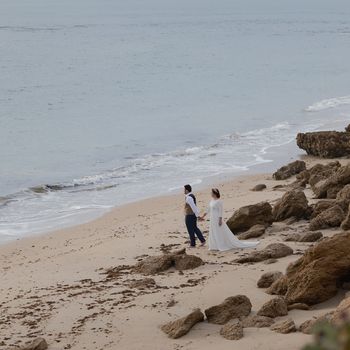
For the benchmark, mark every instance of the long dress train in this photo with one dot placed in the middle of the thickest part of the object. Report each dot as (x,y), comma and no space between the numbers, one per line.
(220,237)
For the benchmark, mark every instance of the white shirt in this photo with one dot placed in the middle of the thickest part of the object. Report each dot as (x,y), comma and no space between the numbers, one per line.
(190,202)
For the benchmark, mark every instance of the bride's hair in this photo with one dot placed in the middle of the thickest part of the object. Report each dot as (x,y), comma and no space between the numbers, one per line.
(216,192)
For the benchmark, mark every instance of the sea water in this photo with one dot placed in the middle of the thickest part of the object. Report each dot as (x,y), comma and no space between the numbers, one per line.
(105,102)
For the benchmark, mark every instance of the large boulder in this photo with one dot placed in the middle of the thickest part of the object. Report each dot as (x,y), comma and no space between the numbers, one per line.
(292,204)
(246,217)
(315,277)
(268,278)
(330,187)
(180,327)
(331,217)
(320,207)
(275,307)
(326,144)
(289,170)
(232,331)
(157,264)
(272,251)
(230,308)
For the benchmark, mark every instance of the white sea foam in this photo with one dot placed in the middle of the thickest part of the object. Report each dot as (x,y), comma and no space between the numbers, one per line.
(328,104)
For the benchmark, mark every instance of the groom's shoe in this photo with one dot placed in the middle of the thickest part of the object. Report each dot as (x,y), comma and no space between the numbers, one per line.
(203,244)
(191,246)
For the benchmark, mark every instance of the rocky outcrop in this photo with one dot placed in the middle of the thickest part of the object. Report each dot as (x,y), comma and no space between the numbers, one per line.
(289,170)
(157,264)
(272,251)
(257,321)
(320,207)
(292,204)
(259,187)
(268,278)
(331,217)
(274,308)
(36,344)
(279,287)
(180,327)
(330,187)
(253,232)
(345,225)
(232,307)
(284,327)
(232,331)
(326,144)
(246,217)
(325,264)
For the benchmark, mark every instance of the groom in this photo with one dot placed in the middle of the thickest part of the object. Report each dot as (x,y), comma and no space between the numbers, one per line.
(191,215)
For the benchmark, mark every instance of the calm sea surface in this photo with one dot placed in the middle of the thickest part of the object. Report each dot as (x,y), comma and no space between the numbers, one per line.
(103,102)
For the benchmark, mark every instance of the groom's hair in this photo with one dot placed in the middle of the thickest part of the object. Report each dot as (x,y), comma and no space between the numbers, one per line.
(188,188)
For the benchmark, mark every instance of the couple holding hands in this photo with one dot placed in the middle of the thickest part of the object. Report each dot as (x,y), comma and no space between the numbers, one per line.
(220,236)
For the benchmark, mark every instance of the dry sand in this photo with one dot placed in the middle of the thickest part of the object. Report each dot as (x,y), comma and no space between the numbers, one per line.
(53,285)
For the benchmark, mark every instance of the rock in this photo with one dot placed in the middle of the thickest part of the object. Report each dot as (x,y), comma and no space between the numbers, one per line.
(343,197)
(320,207)
(279,287)
(272,251)
(232,331)
(341,313)
(180,327)
(257,321)
(322,171)
(292,237)
(330,187)
(345,225)
(331,217)
(325,264)
(253,232)
(292,204)
(230,308)
(310,236)
(308,326)
(268,278)
(270,261)
(259,187)
(143,284)
(289,170)
(36,344)
(284,327)
(157,264)
(326,144)
(274,308)
(298,306)
(246,217)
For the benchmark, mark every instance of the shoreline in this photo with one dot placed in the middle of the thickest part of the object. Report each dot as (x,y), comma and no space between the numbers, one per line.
(54,285)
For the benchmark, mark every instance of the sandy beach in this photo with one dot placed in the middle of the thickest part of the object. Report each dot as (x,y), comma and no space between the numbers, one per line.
(55,286)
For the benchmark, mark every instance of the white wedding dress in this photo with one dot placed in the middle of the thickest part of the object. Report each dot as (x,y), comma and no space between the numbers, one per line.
(220,237)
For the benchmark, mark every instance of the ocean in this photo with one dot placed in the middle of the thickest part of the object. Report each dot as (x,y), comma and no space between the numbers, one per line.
(106,102)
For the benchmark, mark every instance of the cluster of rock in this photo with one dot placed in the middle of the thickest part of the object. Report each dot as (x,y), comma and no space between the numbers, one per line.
(234,314)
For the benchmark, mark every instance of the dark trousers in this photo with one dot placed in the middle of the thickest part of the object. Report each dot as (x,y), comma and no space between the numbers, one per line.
(193,230)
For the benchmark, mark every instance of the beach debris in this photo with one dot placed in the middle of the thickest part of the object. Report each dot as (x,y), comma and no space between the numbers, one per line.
(180,327)
(292,204)
(256,321)
(253,232)
(246,217)
(179,260)
(272,251)
(232,331)
(274,308)
(326,144)
(284,327)
(268,278)
(259,187)
(230,308)
(36,344)
(331,217)
(289,170)
(325,264)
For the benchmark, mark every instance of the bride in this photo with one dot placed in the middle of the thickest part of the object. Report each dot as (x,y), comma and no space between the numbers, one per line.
(220,236)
